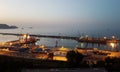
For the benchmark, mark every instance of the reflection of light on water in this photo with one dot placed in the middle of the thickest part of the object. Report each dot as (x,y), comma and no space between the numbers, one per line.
(113,45)
(81,44)
(51,42)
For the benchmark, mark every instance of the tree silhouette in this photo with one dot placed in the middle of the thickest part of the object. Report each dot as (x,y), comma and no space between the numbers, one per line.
(112,64)
(74,58)
(50,56)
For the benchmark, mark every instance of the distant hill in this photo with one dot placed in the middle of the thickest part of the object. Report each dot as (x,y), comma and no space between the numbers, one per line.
(5,26)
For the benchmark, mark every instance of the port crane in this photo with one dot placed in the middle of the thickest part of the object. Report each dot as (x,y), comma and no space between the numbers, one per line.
(30,38)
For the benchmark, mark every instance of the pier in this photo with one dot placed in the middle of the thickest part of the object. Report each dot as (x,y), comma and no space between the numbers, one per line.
(93,40)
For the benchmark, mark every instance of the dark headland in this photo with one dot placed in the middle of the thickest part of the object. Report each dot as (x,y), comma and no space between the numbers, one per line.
(5,26)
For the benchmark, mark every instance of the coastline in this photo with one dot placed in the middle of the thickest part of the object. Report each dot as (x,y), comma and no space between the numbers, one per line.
(6,26)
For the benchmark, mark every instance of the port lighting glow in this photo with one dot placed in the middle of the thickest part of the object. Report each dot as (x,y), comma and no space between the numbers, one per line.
(113,37)
(105,37)
(112,45)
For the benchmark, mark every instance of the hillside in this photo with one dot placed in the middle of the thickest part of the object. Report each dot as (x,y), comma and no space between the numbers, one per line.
(5,26)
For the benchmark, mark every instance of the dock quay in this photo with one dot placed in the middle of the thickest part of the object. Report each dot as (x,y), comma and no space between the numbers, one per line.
(25,53)
(86,39)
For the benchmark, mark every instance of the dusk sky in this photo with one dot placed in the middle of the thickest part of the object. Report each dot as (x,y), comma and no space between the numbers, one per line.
(61,12)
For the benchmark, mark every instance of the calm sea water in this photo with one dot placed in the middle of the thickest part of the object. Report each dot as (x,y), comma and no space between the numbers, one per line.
(43,31)
(54,31)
